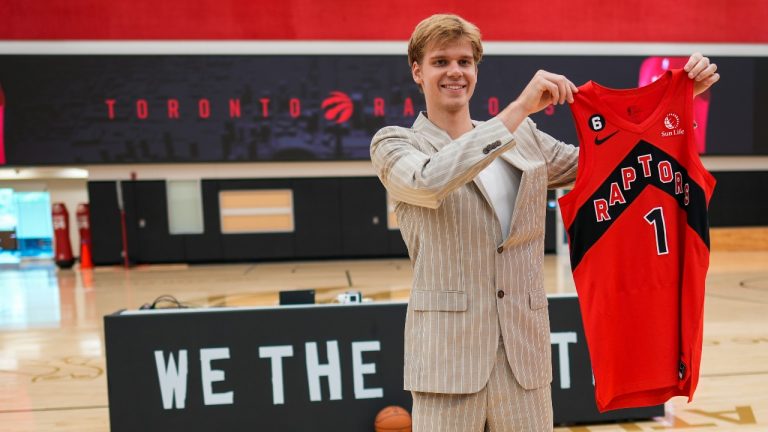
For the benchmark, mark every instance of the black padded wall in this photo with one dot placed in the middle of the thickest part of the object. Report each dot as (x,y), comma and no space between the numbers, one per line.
(333,218)
(105,222)
(740,199)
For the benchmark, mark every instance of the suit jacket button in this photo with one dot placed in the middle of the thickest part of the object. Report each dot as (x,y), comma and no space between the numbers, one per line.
(496,143)
(486,150)
(500,249)
(500,294)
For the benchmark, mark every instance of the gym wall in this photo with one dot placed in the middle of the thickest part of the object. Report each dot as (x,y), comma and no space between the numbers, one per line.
(59,92)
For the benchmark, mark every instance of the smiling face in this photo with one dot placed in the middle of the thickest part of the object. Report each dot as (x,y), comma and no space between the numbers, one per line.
(447,75)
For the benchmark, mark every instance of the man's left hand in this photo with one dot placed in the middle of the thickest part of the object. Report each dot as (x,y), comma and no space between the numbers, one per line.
(702,72)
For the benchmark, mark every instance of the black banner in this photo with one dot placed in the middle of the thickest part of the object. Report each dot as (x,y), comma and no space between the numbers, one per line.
(172,108)
(316,368)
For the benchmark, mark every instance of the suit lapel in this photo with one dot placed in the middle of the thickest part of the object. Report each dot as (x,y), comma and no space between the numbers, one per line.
(435,136)
(438,139)
(517,160)
(484,192)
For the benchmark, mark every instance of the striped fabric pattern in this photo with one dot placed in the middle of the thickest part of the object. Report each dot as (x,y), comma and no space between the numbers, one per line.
(460,262)
(501,406)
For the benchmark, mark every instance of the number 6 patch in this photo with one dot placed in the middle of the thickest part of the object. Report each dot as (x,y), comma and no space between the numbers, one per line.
(597,123)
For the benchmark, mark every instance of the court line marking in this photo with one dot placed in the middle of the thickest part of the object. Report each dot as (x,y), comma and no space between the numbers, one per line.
(720,375)
(53,409)
(248,270)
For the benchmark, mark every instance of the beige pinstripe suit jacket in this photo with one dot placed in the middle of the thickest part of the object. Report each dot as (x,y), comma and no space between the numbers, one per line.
(460,262)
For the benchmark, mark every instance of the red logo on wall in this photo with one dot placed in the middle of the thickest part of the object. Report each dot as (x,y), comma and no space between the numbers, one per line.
(338,107)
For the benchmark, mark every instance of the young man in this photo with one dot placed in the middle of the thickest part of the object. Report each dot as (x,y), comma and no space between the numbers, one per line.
(471,199)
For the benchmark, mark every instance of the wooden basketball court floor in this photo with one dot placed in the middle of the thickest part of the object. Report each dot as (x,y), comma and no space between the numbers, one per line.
(52,362)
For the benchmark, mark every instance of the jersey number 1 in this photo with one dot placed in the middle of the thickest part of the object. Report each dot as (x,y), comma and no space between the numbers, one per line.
(655,217)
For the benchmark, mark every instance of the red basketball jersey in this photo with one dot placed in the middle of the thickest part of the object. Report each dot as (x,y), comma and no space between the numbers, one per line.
(639,239)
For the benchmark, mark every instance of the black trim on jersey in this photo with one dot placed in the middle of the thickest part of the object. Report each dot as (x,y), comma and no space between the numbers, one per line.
(585,230)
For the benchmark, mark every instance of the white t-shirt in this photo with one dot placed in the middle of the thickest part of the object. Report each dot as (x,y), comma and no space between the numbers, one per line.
(501,181)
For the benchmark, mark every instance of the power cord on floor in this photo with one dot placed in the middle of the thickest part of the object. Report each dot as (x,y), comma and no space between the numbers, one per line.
(165,301)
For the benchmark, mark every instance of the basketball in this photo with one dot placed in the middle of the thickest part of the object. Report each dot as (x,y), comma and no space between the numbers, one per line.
(393,419)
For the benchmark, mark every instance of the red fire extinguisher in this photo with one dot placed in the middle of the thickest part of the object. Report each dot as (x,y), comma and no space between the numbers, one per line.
(64,258)
(2,115)
(84,226)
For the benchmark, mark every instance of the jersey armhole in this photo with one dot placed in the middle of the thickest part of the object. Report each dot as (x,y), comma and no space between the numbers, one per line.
(691,139)
(582,165)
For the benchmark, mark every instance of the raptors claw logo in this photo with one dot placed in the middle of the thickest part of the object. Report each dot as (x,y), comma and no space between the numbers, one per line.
(338,107)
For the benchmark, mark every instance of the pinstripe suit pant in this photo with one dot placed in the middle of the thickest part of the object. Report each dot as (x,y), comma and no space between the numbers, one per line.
(501,406)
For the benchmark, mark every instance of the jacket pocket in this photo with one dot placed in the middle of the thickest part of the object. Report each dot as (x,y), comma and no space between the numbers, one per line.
(538,299)
(448,301)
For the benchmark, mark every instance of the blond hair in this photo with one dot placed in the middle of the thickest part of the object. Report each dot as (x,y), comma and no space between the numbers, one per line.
(440,29)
